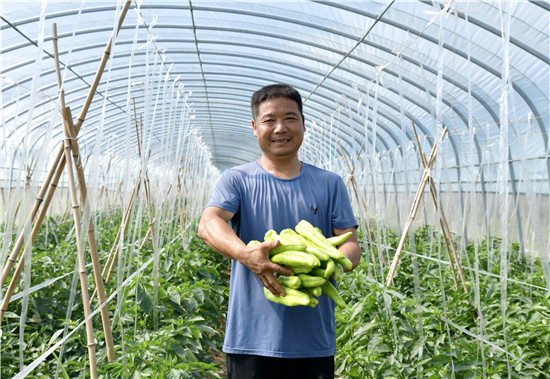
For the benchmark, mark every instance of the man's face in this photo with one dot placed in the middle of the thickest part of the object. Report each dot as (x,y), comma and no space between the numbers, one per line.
(279,128)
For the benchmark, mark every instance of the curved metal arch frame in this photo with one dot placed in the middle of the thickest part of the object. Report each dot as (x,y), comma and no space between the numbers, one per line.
(393,107)
(191,8)
(124,67)
(352,72)
(279,18)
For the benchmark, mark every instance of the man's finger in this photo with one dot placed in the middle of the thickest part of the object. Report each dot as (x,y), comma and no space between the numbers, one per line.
(272,244)
(277,290)
(273,285)
(281,270)
(274,290)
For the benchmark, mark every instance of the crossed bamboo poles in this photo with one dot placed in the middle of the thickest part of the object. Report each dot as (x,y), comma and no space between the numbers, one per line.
(67,156)
(428,180)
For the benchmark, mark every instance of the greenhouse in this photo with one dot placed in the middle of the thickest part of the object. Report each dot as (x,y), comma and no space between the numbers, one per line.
(118,118)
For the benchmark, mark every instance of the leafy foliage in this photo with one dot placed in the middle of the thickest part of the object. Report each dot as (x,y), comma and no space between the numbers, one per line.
(184,342)
(434,330)
(170,323)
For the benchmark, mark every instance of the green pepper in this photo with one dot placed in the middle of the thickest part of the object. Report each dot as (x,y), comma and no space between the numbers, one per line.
(296,258)
(292,297)
(310,280)
(330,291)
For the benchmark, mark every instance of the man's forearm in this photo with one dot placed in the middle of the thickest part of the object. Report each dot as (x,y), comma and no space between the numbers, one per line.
(217,234)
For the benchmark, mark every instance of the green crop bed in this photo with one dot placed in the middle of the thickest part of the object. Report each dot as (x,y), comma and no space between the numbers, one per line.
(178,335)
(170,324)
(423,326)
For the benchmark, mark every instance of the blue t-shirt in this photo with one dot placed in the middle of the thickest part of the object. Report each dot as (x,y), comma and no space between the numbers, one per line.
(262,201)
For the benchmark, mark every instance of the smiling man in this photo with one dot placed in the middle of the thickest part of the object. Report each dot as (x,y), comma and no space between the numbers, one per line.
(279,127)
(264,339)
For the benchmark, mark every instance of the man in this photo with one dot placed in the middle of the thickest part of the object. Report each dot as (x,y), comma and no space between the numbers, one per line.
(264,339)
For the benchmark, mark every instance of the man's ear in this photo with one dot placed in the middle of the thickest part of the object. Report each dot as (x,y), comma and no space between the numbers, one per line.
(254,127)
(304,122)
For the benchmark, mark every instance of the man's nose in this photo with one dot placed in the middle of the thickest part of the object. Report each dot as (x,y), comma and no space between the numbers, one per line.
(280,126)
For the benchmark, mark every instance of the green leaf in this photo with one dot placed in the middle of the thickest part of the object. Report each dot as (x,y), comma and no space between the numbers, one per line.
(144,299)
(205,328)
(441,359)
(54,337)
(357,308)
(174,296)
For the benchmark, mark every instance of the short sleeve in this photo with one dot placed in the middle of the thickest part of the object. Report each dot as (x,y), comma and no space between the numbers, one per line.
(342,212)
(226,193)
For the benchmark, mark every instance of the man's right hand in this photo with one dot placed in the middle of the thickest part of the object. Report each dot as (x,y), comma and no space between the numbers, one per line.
(216,233)
(256,258)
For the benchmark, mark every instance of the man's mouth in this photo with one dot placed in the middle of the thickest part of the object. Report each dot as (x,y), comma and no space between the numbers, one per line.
(281,140)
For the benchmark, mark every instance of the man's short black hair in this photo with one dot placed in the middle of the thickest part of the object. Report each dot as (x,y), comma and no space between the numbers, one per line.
(272,91)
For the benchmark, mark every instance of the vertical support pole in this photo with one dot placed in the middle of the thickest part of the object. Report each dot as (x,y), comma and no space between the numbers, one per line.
(80,251)
(58,170)
(70,132)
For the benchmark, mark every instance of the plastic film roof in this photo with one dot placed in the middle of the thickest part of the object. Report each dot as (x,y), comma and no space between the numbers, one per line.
(367,71)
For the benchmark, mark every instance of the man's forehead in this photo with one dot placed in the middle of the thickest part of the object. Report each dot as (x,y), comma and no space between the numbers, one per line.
(268,105)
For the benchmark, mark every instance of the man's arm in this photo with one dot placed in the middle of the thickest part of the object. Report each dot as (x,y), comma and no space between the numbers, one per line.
(350,247)
(215,231)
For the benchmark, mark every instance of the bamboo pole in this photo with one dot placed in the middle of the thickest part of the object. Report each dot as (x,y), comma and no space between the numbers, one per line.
(440,211)
(182,210)
(80,251)
(414,209)
(113,254)
(137,130)
(71,132)
(146,238)
(166,218)
(58,162)
(11,288)
(183,215)
(351,169)
(355,186)
(147,185)
(149,213)
(446,235)
(99,73)
(100,288)
(150,231)
(123,229)
(443,223)
(139,138)
(56,169)
(39,200)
